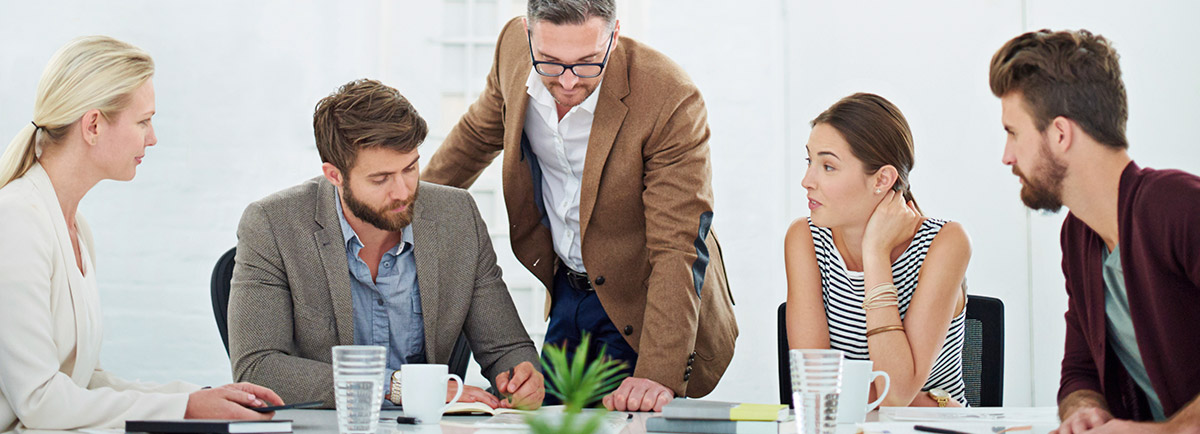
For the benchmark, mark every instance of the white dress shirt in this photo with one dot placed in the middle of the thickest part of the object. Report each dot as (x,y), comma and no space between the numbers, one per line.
(560,147)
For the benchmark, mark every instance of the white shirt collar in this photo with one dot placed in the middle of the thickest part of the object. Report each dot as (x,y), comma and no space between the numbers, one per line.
(541,95)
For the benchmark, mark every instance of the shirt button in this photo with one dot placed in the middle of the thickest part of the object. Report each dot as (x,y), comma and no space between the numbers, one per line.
(628,330)
(380,301)
(387,264)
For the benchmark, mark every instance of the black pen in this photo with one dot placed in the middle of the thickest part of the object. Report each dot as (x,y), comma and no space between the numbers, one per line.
(511,371)
(935,429)
(405,420)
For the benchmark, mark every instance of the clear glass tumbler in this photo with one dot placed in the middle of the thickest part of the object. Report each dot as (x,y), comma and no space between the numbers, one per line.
(358,374)
(816,384)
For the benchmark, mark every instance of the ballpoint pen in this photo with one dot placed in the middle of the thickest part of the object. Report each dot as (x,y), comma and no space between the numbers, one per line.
(511,371)
(405,420)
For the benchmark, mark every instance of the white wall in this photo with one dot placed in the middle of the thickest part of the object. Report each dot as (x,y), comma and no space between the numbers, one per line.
(237,81)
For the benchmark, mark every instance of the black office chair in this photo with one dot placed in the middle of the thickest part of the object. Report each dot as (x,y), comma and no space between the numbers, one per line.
(219,285)
(983,352)
(222,274)
(785,373)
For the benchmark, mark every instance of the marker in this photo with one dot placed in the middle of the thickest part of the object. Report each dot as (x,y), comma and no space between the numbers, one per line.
(935,429)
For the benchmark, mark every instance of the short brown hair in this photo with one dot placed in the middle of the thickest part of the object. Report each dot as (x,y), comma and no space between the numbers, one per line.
(365,114)
(877,133)
(1073,74)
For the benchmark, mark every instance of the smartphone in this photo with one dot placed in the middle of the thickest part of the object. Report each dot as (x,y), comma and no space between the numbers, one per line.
(287,406)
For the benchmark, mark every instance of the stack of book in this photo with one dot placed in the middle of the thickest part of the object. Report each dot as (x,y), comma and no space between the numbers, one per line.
(713,417)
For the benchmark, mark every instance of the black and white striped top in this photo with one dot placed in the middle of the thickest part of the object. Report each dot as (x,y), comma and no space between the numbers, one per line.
(842,291)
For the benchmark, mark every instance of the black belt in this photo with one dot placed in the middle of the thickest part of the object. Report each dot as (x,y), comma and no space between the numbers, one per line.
(578,280)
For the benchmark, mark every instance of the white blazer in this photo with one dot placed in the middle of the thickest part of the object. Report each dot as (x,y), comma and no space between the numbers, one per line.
(50,325)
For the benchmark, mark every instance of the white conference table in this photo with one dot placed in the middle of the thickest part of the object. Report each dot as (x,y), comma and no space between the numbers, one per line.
(891,420)
(986,420)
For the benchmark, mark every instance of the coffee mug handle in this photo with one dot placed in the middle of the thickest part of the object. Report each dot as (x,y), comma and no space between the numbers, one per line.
(887,385)
(456,394)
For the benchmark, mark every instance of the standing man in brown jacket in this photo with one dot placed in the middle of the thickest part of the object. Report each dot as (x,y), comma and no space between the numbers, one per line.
(607,181)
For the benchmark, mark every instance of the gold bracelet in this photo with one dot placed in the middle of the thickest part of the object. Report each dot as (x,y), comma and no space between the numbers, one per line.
(883,329)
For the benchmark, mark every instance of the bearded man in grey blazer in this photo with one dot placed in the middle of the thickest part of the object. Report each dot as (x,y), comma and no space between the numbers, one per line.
(356,256)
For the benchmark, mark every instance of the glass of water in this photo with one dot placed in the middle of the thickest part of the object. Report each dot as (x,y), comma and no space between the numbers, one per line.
(816,384)
(358,387)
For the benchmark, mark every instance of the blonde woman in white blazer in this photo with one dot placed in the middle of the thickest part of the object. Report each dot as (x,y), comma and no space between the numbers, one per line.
(91,122)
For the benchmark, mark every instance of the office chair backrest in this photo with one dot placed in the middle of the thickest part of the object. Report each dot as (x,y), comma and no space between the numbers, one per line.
(219,286)
(785,375)
(983,352)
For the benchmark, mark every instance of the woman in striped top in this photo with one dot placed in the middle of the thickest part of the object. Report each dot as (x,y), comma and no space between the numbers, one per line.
(867,273)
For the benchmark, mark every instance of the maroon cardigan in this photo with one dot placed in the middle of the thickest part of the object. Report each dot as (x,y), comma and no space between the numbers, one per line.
(1158,219)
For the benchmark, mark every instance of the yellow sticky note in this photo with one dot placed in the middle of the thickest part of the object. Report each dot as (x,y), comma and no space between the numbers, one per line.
(764,412)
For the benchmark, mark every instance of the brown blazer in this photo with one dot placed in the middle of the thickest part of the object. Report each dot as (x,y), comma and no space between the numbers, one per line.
(645,207)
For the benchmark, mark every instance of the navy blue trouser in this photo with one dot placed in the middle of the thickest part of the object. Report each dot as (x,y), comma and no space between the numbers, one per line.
(575,311)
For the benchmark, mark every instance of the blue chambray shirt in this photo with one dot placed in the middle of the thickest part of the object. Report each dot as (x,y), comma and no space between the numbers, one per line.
(387,312)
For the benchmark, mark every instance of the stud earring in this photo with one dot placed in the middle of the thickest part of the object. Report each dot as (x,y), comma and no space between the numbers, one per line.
(877,191)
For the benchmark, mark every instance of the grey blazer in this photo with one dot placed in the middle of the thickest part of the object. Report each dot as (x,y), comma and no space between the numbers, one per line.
(290,297)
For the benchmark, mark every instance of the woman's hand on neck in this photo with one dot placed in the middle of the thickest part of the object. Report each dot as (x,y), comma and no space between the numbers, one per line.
(891,226)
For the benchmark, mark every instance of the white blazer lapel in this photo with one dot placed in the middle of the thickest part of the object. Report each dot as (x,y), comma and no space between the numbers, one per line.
(88,333)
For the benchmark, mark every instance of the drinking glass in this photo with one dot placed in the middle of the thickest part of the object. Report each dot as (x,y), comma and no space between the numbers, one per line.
(816,384)
(358,380)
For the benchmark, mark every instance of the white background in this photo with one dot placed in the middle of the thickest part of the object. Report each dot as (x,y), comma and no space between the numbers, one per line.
(237,81)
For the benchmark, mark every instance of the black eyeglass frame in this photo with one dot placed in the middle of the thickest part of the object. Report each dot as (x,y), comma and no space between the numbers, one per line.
(565,67)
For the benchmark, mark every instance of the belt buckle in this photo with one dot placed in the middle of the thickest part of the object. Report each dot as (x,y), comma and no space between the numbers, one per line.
(578,280)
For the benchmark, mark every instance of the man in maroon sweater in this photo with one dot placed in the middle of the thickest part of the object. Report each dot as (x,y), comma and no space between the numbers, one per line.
(1131,243)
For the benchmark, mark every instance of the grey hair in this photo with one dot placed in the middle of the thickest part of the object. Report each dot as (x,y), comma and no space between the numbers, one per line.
(572,11)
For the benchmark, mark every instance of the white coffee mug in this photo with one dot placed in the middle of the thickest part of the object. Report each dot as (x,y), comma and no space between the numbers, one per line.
(857,377)
(423,391)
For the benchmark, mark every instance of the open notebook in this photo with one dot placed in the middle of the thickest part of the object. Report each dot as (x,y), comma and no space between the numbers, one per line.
(462,408)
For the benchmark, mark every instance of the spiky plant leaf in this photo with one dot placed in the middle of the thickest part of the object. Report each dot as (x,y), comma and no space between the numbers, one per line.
(577,383)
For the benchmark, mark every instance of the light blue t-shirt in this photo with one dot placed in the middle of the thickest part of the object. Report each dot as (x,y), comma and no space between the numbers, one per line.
(387,311)
(1120,328)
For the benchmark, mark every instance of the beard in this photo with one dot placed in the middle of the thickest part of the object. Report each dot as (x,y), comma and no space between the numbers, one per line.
(382,217)
(1045,191)
(556,89)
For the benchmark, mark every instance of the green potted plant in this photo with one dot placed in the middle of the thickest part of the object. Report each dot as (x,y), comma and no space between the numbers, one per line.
(578,383)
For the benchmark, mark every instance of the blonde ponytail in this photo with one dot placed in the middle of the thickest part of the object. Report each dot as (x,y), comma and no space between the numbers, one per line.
(19,155)
(92,72)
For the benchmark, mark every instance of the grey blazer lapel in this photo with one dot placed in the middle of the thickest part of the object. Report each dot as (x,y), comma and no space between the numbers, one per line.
(425,247)
(331,248)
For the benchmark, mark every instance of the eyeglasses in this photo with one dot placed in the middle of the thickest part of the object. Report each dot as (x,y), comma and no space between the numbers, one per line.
(581,70)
